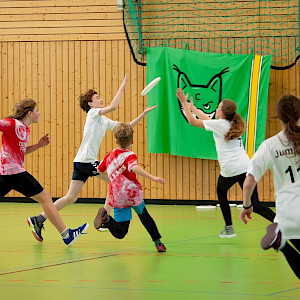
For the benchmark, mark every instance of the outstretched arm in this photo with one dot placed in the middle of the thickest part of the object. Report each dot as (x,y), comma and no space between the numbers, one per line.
(138,170)
(248,187)
(116,100)
(143,114)
(186,106)
(44,141)
(200,114)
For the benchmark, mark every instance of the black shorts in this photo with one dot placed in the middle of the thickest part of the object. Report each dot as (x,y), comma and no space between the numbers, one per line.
(82,171)
(23,183)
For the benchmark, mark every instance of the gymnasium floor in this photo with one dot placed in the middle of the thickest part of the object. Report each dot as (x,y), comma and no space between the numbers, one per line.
(197,265)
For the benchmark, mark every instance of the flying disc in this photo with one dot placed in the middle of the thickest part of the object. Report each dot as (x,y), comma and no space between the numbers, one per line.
(205,206)
(150,86)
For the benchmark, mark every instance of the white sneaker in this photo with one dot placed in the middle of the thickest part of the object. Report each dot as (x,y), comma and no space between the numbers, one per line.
(227,233)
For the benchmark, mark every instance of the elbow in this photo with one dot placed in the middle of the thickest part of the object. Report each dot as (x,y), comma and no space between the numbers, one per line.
(113,108)
(191,122)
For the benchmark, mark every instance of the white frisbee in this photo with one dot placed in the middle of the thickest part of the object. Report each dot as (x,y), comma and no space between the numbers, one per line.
(150,86)
(205,206)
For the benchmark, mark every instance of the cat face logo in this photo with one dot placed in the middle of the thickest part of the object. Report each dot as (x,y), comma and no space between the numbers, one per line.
(206,97)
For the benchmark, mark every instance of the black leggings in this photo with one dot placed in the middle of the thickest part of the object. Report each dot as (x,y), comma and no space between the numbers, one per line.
(120,229)
(224,184)
(293,256)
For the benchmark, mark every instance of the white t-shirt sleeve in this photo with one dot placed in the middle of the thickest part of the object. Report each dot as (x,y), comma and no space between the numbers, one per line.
(111,124)
(217,126)
(94,113)
(260,162)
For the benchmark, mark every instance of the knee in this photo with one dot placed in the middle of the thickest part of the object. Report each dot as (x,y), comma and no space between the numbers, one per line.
(69,199)
(222,194)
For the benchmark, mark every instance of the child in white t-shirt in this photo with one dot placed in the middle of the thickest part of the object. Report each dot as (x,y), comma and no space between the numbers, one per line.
(125,191)
(233,159)
(280,154)
(86,161)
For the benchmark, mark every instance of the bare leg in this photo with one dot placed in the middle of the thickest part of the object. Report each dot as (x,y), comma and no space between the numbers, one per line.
(71,197)
(45,199)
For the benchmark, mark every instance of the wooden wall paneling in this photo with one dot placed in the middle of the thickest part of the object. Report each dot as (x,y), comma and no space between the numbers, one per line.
(186,178)
(83,88)
(59,125)
(72,107)
(34,95)
(89,85)
(65,100)
(95,68)
(205,180)
(192,179)
(179,177)
(14,87)
(9,88)
(47,115)
(102,94)
(79,114)
(40,81)
(199,178)
(212,179)
(109,94)
(28,91)
(53,117)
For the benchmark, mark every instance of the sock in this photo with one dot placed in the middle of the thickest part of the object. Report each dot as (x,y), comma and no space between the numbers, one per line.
(282,243)
(40,219)
(107,219)
(228,227)
(157,242)
(65,233)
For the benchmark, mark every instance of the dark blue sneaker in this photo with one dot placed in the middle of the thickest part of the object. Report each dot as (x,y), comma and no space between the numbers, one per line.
(74,234)
(36,228)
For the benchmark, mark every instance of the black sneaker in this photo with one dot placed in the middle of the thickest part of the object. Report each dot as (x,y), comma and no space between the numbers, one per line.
(273,237)
(100,217)
(103,228)
(36,228)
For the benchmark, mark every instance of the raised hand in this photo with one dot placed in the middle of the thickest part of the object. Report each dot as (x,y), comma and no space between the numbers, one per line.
(149,108)
(180,95)
(123,84)
(44,140)
(158,179)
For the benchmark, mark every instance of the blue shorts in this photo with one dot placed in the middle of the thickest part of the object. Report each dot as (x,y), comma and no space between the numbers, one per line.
(82,171)
(125,214)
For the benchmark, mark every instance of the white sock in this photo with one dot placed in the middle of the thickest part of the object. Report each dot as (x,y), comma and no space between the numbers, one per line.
(65,233)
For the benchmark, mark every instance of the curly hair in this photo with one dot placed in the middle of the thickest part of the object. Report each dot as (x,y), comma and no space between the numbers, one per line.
(288,112)
(238,125)
(85,98)
(123,133)
(21,109)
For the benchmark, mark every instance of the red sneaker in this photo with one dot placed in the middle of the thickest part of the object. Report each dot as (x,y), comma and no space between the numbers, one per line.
(161,247)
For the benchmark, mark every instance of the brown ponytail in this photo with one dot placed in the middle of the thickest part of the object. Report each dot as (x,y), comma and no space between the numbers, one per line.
(288,111)
(238,125)
(22,108)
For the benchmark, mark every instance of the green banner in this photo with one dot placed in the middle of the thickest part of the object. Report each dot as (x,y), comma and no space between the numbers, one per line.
(208,78)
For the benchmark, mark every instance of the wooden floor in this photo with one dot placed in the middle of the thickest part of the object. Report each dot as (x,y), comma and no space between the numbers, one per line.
(197,265)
